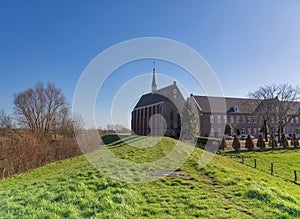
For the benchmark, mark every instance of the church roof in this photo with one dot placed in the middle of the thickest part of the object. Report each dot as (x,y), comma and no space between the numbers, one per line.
(149,99)
(163,94)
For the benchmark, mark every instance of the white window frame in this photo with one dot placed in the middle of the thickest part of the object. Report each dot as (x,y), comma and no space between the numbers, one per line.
(231,119)
(225,118)
(219,117)
(211,118)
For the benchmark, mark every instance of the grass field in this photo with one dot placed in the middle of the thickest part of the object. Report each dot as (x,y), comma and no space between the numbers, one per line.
(223,189)
(285,161)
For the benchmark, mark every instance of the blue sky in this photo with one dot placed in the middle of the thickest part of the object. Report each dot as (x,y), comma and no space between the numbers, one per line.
(247,43)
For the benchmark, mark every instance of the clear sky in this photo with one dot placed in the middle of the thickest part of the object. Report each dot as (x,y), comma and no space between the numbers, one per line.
(247,43)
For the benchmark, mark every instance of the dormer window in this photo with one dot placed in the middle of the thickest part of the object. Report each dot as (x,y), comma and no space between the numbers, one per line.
(233,109)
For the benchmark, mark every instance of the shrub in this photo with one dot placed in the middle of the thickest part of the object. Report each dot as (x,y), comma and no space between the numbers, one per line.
(203,141)
(228,129)
(23,151)
(260,142)
(236,143)
(294,141)
(283,141)
(272,141)
(249,143)
(223,144)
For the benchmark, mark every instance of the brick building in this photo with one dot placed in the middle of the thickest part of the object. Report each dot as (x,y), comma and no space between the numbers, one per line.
(158,112)
(240,113)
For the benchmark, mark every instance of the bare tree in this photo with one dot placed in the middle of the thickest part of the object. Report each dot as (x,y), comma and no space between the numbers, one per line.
(77,123)
(288,106)
(279,101)
(43,109)
(266,102)
(5,120)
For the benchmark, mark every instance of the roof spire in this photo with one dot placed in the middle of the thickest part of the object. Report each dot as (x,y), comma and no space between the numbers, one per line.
(154,85)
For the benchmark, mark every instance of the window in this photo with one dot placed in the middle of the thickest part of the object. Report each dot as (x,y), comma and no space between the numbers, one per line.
(178,121)
(212,119)
(171,120)
(249,131)
(293,130)
(219,132)
(243,119)
(211,132)
(219,119)
(292,121)
(254,119)
(225,119)
(272,120)
(249,119)
(231,119)
(296,120)
(243,131)
(237,119)
(254,131)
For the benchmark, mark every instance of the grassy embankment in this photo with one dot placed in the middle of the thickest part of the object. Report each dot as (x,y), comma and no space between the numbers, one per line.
(223,189)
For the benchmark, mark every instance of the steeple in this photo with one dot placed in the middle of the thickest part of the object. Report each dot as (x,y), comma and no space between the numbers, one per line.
(154,85)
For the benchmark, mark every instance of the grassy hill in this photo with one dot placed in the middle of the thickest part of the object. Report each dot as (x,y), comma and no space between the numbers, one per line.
(223,189)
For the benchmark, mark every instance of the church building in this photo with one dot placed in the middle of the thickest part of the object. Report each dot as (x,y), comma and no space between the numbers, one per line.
(158,112)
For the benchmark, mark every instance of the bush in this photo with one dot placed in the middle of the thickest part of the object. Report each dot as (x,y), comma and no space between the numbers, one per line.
(203,141)
(249,143)
(261,142)
(23,151)
(294,141)
(228,129)
(223,144)
(272,141)
(236,144)
(283,141)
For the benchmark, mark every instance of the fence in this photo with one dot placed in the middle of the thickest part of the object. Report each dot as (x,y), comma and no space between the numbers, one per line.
(273,168)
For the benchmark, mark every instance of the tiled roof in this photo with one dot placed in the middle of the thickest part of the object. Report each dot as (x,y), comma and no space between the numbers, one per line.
(229,104)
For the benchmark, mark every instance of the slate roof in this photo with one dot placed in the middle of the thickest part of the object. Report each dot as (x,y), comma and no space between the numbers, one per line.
(242,105)
(149,99)
(161,95)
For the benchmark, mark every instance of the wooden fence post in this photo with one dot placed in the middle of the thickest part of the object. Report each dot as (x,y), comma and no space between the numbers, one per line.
(272,168)
(254,163)
(243,159)
(295,174)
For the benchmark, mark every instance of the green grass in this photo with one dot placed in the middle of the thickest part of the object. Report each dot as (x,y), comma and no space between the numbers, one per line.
(285,161)
(222,189)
